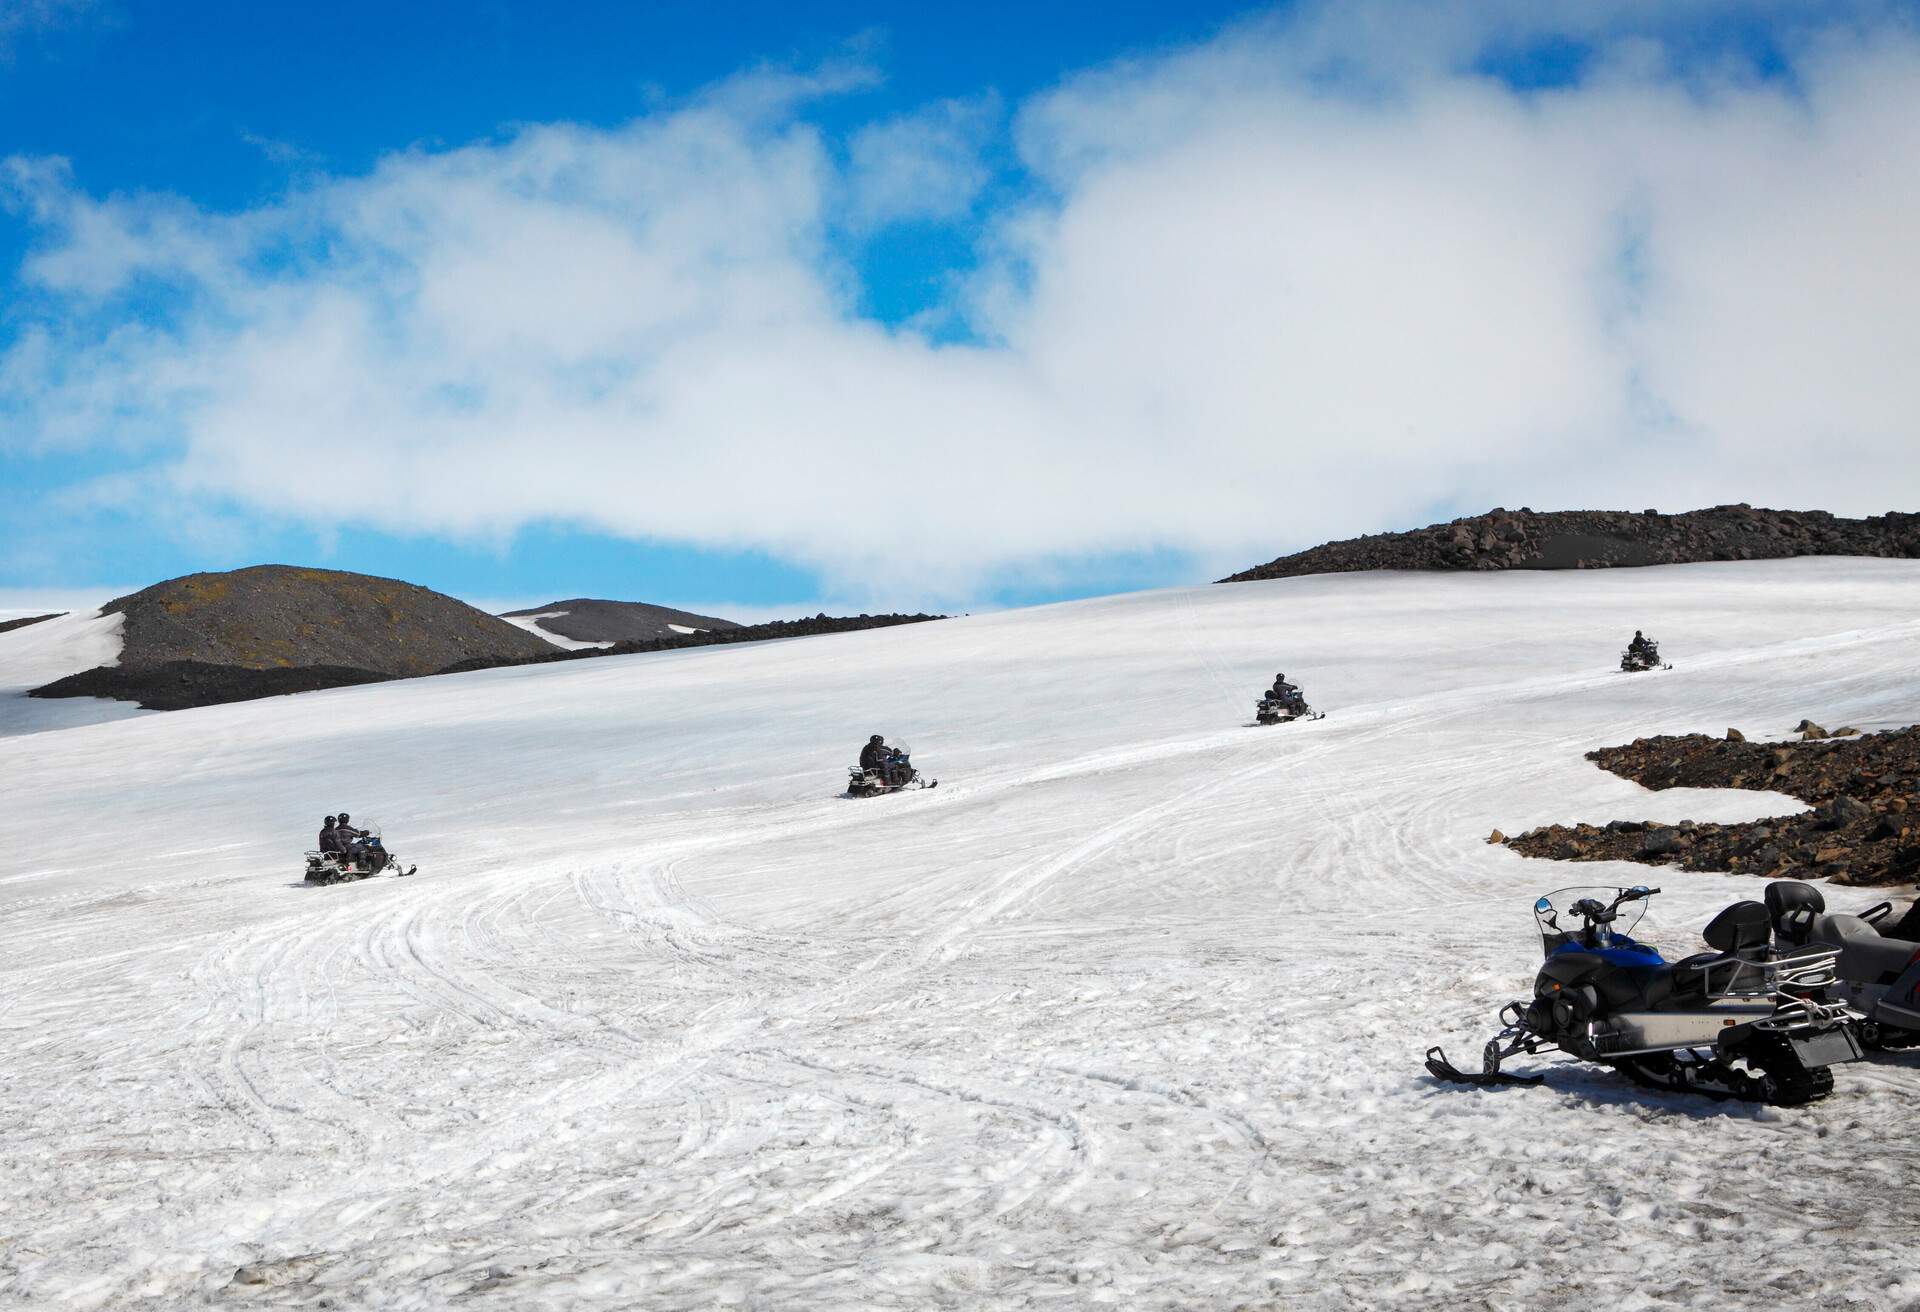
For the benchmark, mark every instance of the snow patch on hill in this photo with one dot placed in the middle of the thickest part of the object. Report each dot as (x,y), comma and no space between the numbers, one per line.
(531,623)
(52,649)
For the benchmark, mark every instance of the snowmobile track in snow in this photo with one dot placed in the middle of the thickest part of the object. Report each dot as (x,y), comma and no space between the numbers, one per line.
(1129,1010)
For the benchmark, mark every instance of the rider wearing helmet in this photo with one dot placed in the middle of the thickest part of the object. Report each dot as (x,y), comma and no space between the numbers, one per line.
(330,836)
(874,755)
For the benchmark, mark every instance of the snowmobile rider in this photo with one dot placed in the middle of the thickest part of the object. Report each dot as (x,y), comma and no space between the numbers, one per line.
(876,755)
(348,837)
(330,836)
(1282,691)
(1640,644)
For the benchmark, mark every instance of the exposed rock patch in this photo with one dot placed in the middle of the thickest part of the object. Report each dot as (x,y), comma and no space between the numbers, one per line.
(179,685)
(1863,826)
(1600,539)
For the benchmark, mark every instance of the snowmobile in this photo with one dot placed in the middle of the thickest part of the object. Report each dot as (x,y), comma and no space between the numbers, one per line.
(1742,1021)
(1879,958)
(368,858)
(894,775)
(1639,659)
(1284,710)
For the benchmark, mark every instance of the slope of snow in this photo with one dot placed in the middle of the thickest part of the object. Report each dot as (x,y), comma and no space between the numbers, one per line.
(52,649)
(531,623)
(1128,1012)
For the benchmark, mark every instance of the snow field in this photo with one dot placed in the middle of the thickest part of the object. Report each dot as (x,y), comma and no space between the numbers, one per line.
(52,649)
(1128,1012)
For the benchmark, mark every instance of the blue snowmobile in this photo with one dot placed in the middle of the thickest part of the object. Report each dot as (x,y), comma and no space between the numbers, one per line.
(1743,1021)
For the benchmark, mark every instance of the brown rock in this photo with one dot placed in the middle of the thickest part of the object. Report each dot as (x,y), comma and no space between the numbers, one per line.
(1735,736)
(1496,837)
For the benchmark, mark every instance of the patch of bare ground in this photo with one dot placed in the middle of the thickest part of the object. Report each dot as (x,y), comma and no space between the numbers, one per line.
(1863,790)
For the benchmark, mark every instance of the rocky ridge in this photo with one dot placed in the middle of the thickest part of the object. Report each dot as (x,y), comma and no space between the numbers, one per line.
(800,628)
(1603,539)
(1863,790)
(585,619)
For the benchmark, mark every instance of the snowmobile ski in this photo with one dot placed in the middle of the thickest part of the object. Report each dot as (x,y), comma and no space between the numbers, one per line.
(1495,1078)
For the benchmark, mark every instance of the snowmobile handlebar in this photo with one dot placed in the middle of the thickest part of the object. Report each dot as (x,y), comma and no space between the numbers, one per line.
(1595,912)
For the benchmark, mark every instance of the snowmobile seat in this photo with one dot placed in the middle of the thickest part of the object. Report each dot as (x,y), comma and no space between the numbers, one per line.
(1689,981)
(1741,928)
(1792,906)
(1865,955)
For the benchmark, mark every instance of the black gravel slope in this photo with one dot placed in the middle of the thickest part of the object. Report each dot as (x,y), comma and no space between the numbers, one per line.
(1600,539)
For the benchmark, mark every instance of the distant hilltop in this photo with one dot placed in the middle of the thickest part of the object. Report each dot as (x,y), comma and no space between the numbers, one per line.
(281,616)
(589,622)
(1605,539)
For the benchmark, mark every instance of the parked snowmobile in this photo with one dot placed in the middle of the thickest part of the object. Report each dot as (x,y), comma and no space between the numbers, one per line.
(1879,958)
(1741,1021)
(894,774)
(1642,654)
(367,857)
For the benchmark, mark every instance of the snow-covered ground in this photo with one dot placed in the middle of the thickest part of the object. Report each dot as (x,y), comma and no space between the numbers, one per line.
(1128,1012)
(52,649)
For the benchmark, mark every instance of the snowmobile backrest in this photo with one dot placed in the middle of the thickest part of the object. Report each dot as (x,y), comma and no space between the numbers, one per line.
(1792,905)
(1742,926)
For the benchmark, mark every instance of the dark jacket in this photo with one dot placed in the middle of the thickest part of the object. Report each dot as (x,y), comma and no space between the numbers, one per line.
(330,839)
(874,756)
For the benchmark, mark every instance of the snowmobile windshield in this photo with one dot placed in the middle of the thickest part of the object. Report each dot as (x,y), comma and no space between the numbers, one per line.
(1589,916)
(901,749)
(371,827)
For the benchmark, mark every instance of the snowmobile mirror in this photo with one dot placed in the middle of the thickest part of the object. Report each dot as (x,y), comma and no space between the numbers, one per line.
(1639,890)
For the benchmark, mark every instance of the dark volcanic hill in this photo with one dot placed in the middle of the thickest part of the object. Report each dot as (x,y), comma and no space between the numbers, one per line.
(586,620)
(1601,539)
(280,616)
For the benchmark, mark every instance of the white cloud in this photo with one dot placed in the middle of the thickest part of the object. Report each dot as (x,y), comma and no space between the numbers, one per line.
(925,165)
(1312,278)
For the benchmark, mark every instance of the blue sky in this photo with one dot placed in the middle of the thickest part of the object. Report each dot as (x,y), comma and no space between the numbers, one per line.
(860,306)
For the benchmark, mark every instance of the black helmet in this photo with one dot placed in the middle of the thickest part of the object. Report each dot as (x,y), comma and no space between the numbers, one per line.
(876,739)
(344,817)
(331,820)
